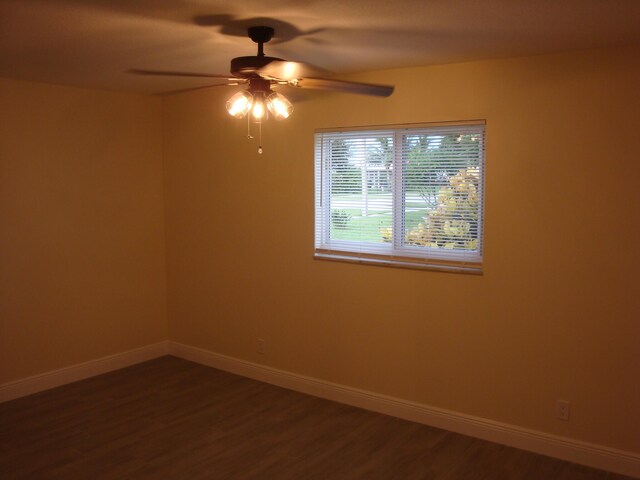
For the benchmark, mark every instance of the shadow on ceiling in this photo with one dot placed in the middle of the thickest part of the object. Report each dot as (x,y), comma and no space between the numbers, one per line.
(237,27)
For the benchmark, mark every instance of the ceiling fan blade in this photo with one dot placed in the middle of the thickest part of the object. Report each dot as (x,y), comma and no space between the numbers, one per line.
(183,90)
(137,71)
(283,70)
(345,86)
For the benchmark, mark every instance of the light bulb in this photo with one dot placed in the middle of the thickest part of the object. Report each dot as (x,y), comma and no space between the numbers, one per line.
(240,104)
(279,106)
(258,109)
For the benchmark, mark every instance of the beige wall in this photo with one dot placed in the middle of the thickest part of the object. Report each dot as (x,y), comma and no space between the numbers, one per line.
(556,314)
(82,271)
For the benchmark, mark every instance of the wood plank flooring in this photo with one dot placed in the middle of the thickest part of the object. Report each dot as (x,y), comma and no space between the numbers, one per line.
(172,419)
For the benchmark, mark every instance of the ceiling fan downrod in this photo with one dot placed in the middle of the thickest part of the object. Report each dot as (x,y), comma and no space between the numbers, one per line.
(260,35)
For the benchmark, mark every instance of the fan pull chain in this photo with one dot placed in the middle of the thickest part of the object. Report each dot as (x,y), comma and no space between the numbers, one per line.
(260,138)
(249,127)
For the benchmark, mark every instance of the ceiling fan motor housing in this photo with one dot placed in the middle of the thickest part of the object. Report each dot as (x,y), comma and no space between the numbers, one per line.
(247,67)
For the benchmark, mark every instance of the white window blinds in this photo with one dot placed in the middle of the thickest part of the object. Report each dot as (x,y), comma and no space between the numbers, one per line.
(408,196)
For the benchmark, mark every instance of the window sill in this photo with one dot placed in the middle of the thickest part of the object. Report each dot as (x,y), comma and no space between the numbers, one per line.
(470,269)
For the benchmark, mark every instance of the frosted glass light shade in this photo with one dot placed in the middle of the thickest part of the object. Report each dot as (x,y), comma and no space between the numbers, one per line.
(240,104)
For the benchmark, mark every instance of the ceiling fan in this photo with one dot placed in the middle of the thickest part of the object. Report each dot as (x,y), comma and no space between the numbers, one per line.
(262,73)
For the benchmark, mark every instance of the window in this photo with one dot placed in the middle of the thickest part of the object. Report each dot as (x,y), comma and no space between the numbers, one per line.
(401,195)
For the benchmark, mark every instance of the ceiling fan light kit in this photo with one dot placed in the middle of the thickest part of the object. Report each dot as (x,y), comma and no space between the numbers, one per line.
(254,99)
(261,72)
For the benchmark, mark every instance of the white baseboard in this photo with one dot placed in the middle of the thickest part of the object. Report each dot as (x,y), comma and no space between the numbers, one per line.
(73,373)
(589,454)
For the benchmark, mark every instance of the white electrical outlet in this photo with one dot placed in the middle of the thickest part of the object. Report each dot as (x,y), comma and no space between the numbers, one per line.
(563,408)
(261,346)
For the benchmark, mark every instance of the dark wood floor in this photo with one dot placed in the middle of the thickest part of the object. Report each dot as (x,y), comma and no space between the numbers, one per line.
(172,419)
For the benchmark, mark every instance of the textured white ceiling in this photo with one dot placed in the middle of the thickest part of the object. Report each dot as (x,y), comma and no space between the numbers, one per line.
(93,43)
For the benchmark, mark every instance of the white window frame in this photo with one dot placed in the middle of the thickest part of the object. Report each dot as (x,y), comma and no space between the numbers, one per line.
(395,253)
